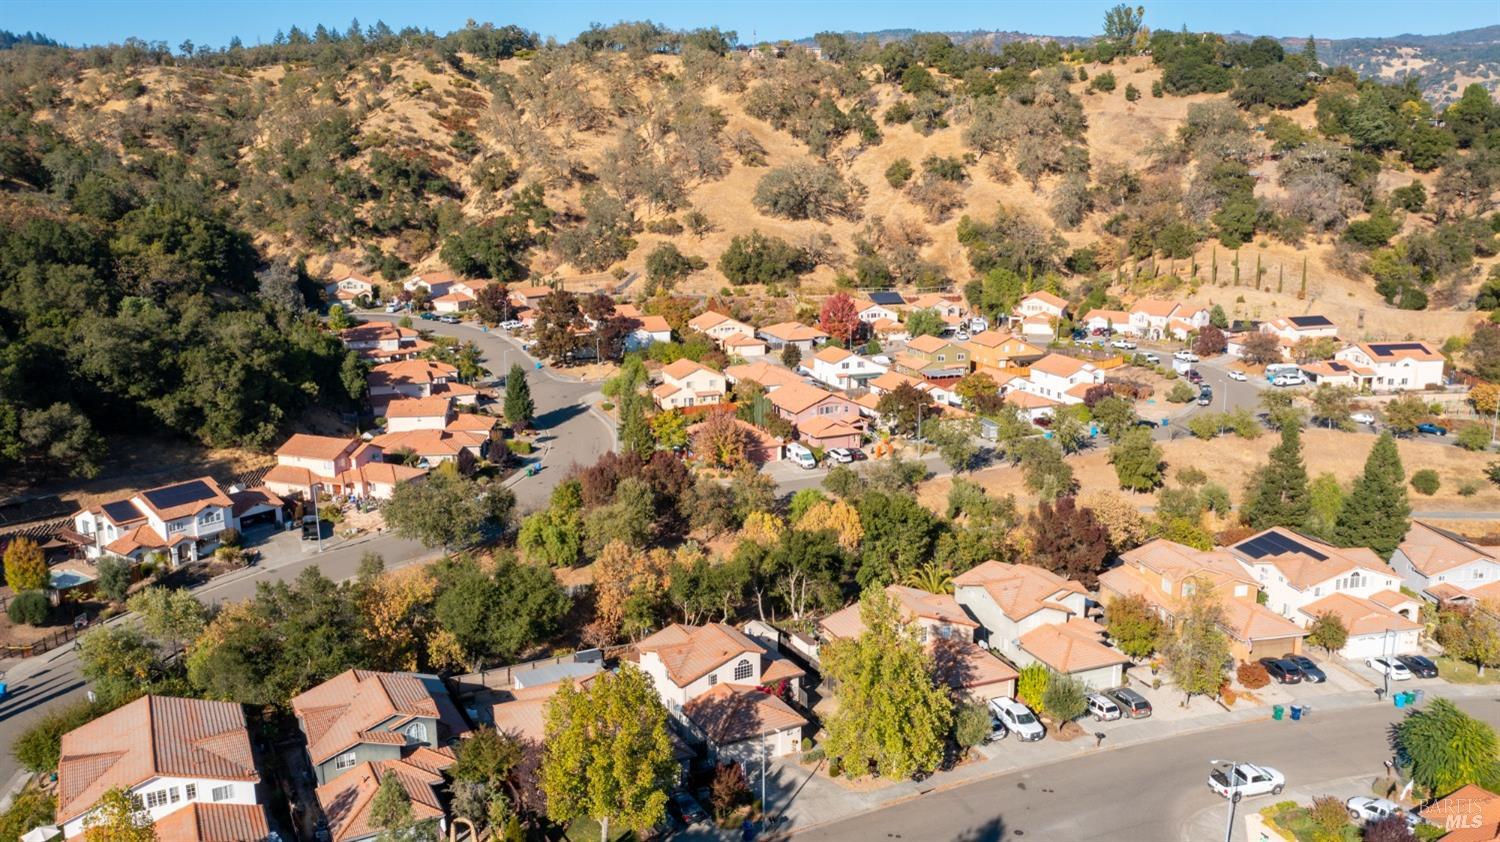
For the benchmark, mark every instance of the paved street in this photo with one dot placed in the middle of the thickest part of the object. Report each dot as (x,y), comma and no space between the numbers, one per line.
(1152,792)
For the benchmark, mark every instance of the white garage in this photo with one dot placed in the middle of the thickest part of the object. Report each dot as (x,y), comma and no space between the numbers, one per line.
(1373,629)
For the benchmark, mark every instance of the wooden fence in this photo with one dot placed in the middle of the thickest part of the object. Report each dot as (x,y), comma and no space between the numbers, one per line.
(46,644)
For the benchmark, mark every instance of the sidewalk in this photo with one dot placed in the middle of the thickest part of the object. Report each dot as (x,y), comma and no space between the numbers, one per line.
(807,800)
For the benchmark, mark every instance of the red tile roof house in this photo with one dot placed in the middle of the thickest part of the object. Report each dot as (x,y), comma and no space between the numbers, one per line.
(720,327)
(183,520)
(349,287)
(941,623)
(337,466)
(763,446)
(781,334)
(187,762)
(1061,378)
(715,678)
(686,383)
(361,726)
(416,379)
(384,342)
(799,402)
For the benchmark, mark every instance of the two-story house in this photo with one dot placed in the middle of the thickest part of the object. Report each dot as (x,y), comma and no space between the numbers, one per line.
(187,763)
(1155,318)
(307,463)
(1291,330)
(800,403)
(416,378)
(782,334)
(769,376)
(887,307)
(939,622)
(382,342)
(719,327)
(1443,566)
(840,369)
(1164,573)
(1033,615)
(182,521)
(1113,321)
(1395,366)
(1038,314)
(1061,378)
(933,356)
(1002,351)
(686,383)
(949,307)
(711,678)
(529,296)
(351,286)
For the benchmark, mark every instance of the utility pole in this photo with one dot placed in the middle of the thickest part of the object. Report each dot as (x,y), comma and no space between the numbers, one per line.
(317,521)
(1234,801)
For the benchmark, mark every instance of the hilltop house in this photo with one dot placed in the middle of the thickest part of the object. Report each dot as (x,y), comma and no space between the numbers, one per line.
(949,307)
(337,466)
(940,623)
(345,290)
(1445,567)
(1038,314)
(1154,318)
(1033,615)
(840,369)
(183,521)
(187,763)
(686,383)
(1394,366)
(720,327)
(870,310)
(1293,329)
(382,342)
(782,334)
(933,356)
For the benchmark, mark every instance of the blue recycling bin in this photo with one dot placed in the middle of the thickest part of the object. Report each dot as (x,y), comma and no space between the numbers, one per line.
(1093,431)
(538,364)
(1399,699)
(1047,435)
(1296,712)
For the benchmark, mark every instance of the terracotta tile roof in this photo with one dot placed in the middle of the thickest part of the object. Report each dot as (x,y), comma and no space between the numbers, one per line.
(418,407)
(1433,551)
(1156,307)
(290,475)
(708,320)
(1114,317)
(654,324)
(928,344)
(768,375)
(1334,368)
(732,713)
(336,713)
(740,340)
(1027,400)
(531,291)
(153,736)
(523,713)
(685,368)
(1391,599)
(472,422)
(776,669)
(208,822)
(827,426)
(793,332)
(965,665)
(798,397)
(346,799)
(411,371)
(832,354)
(1178,562)
(142,536)
(428,442)
(1059,365)
(1043,295)
(1249,622)
(1360,616)
(376,332)
(690,652)
(1446,591)
(890,380)
(306,446)
(934,300)
(666,390)
(1069,647)
(887,326)
(1020,590)
(1471,813)
(381,473)
(913,603)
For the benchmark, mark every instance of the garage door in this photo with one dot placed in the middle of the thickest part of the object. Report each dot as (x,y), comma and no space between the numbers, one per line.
(262,518)
(1373,645)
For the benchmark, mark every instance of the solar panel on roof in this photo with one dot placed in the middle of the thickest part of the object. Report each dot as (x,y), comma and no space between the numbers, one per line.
(178,495)
(1275,543)
(887,298)
(1385,349)
(1310,321)
(121,511)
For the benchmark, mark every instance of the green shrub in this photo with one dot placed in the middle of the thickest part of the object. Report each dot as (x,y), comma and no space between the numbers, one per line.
(39,747)
(1104,82)
(1425,481)
(1182,392)
(898,173)
(1468,488)
(32,807)
(29,609)
(1474,437)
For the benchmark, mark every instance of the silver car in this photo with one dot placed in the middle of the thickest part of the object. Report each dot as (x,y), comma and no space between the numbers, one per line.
(1103,708)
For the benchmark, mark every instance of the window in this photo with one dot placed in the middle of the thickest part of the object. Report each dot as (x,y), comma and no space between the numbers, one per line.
(743,670)
(176,526)
(226,792)
(213,516)
(174,794)
(713,678)
(417,731)
(157,798)
(192,791)
(343,761)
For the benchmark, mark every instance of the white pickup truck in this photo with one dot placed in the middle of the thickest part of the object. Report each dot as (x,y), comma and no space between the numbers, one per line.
(1226,777)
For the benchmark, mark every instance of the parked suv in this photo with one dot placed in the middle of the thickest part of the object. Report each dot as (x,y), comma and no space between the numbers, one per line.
(1419,665)
(1282,671)
(1132,704)
(1310,670)
(1103,708)
(1018,719)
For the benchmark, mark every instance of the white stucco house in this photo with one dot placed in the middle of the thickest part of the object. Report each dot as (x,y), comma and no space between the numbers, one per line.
(840,369)
(1294,570)
(686,383)
(183,521)
(1395,366)
(1061,378)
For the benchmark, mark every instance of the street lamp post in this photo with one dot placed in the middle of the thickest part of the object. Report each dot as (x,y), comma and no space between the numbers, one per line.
(1234,801)
(317,521)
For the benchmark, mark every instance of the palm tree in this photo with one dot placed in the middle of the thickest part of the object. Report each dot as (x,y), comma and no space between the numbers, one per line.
(931,577)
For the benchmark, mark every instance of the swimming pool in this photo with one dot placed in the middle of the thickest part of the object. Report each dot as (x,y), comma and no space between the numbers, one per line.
(64,579)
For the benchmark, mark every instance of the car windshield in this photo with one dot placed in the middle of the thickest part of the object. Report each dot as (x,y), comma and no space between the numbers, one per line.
(1025,718)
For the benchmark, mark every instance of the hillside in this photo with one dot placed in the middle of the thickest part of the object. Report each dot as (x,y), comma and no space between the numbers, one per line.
(487,153)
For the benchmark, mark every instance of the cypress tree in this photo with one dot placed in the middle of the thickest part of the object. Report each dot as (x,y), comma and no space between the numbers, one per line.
(519,408)
(1280,277)
(1258,271)
(1376,513)
(635,429)
(1214,266)
(1282,499)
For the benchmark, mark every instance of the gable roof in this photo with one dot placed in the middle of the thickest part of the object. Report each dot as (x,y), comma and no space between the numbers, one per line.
(1360,616)
(764,373)
(346,799)
(1020,590)
(685,367)
(1392,351)
(344,710)
(180,499)
(1250,621)
(1433,550)
(208,822)
(1070,646)
(1157,307)
(1045,296)
(796,397)
(151,737)
(832,354)
(733,713)
(690,652)
(1303,561)
(1059,365)
(411,371)
(418,407)
(793,332)
(912,603)
(826,426)
(709,319)
(307,446)
(1112,316)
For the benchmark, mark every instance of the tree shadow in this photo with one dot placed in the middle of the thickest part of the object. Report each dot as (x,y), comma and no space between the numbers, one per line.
(556,417)
(954,662)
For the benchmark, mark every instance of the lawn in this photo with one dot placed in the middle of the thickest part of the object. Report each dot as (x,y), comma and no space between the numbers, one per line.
(1463,672)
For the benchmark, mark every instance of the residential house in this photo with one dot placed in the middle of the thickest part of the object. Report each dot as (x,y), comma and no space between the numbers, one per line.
(1164,573)
(948,306)
(933,356)
(782,334)
(800,403)
(1031,405)
(1469,814)
(1038,314)
(430,448)
(889,330)
(1154,318)
(719,327)
(840,369)
(383,342)
(1001,350)
(892,380)
(1396,366)
(1337,373)
(711,678)
(351,286)
(1115,321)
(360,717)
(870,311)
(763,447)
(416,379)
(459,295)
(827,432)
(1442,565)
(940,623)
(1373,629)
(686,383)
(1294,570)
(347,800)
(745,347)
(417,414)
(770,376)
(1061,378)
(1293,329)
(182,520)
(529,296)
(644,330)
(307,463)
(187,763)
(1032,615)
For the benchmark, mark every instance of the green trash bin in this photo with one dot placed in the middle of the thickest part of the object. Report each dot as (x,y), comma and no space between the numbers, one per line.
(1276,712)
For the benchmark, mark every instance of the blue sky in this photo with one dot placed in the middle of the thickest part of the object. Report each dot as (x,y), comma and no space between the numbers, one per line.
(207,22)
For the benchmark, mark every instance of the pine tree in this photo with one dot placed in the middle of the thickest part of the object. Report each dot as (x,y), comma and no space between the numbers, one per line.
(1282,499)
(635,429)
(1310,51)
(1376,513)
(519,408)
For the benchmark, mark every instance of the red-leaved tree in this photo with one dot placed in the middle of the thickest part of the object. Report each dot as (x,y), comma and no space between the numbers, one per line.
(839,318)
(1069,540)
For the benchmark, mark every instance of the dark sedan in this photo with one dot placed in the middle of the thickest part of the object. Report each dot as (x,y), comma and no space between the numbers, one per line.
(1310,670)
(1282,670)
(688,807)
(1420,666)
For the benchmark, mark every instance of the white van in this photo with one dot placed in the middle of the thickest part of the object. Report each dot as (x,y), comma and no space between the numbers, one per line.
(800,455)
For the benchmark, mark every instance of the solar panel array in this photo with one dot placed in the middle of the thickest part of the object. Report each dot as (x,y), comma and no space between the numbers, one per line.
(1275,543)
(178,495)
(1385,349)
(1310,321)
(886,298)
(121,511)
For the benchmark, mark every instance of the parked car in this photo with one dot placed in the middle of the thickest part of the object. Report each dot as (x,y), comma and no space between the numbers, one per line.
(691,811)
(1123,344)
(510,325)
(1389,666)
(1079,334)
(1418,665)
(799,455)
(1236,374)
(1367,810)
(839,455)
(998,731)
(1283,671)
(1193,375)
(311,527)
(1152,358)
(855,454)
(1103,708)
(1366,418)
(1310,669)
(1432,429)
(1288,380)
(448,320)
(393,306)
(962,336)
(1186,356)
(1143,422)
(1132,704)
(1226,777)
(1205,396)
(427,317)
(1018,719)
